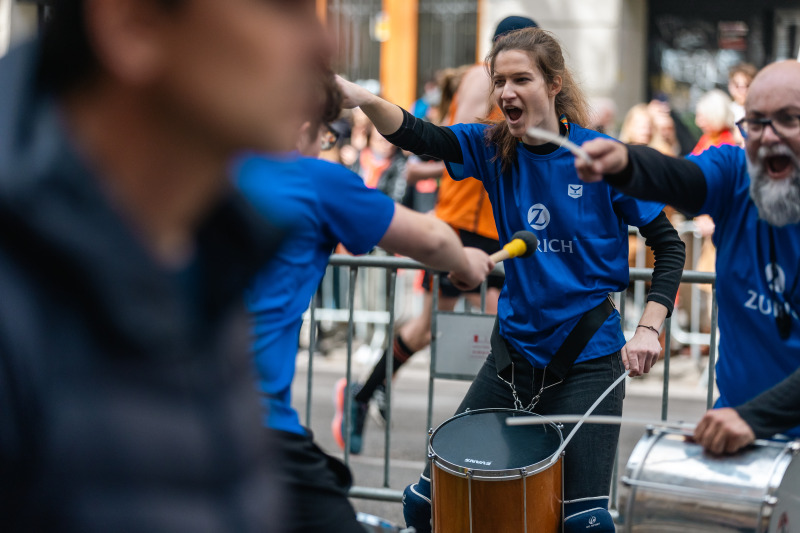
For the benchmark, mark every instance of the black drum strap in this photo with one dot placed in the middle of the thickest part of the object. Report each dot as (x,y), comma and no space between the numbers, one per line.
(571,348)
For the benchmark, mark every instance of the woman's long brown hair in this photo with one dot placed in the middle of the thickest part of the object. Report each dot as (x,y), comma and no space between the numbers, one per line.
(545,51)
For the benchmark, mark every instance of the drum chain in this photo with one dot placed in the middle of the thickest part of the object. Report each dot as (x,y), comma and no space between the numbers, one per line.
(534,399)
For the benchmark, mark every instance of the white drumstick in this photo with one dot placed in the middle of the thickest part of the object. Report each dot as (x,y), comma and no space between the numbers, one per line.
(549,136)
(597,419)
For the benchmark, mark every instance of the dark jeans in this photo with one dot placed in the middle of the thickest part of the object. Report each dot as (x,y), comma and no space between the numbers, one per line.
(589,458)
(317,487)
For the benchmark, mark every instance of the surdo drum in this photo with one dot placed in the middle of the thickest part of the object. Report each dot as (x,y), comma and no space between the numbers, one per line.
(672,485)
(487,476)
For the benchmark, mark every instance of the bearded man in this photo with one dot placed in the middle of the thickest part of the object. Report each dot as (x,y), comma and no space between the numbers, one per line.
(753,195)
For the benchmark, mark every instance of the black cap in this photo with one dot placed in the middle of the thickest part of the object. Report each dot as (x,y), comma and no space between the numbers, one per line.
(512,23)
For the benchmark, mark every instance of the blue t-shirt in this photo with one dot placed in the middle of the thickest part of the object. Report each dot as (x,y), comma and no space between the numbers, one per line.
(320,204)
(752,356)
(583,243)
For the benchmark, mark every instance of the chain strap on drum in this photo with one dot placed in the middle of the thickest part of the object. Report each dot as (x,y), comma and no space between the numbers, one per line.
(561,362)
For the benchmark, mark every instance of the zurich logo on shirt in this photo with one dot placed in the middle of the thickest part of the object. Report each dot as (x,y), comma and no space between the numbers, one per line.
(775,283)
(538,216)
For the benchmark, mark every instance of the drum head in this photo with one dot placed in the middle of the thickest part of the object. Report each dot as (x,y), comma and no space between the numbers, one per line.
(481,440)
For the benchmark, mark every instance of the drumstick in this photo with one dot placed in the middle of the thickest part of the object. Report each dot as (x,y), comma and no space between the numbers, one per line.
(549,136)
(587,414)
(597,419)
(522,244)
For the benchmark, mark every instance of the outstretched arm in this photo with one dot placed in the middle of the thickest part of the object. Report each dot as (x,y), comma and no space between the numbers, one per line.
(400,127)
(644,173)
(430,241)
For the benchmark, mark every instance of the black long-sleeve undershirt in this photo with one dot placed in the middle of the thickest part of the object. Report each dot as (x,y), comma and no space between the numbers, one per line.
(669,253)
(651,175)
(774,410)
(424,138)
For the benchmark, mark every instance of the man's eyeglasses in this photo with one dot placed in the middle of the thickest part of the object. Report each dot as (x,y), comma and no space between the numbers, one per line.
(784,126)
(329,138)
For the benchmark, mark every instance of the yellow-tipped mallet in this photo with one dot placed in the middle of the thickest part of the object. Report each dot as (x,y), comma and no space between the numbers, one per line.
(522,244)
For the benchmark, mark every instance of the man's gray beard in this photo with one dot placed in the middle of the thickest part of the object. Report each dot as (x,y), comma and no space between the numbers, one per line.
(778,201)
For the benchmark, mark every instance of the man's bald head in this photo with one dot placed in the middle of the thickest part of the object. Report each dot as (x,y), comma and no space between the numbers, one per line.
(779,80)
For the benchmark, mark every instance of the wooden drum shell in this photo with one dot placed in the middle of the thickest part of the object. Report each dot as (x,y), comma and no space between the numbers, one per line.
(488,476)
(498,505)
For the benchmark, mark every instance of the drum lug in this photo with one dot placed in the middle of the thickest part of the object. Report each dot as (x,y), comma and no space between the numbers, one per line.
(772,501)
(794,447)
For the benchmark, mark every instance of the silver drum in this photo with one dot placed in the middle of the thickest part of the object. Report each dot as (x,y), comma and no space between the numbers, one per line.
(672,486)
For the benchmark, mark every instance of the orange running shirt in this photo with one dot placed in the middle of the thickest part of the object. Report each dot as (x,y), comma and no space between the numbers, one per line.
(464,204)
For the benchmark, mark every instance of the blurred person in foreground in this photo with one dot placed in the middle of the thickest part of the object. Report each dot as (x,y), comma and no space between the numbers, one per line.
(321,204)
(753,194)
(126,395)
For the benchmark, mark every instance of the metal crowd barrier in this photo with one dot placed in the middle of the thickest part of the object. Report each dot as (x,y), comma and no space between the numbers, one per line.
(381,290)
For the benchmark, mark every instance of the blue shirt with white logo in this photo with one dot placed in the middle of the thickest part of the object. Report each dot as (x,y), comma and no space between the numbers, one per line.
(320,204)
(752,356)
(583,243)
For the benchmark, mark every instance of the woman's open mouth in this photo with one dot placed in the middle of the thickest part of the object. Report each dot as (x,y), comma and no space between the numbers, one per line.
(513,114)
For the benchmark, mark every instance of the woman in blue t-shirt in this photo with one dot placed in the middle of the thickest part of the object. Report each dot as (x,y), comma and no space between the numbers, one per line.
(582,256)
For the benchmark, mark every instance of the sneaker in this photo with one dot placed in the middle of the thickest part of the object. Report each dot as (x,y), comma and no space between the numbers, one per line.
(358,416)
(379,396)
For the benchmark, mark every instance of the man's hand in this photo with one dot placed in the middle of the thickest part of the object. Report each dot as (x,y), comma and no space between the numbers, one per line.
(641,352)
(723,431)
(608,157)
(479,265)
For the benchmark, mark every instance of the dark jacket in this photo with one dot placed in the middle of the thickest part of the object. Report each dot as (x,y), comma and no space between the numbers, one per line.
(127,401)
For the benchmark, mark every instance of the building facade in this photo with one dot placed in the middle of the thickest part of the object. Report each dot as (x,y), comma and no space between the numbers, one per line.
(627,51)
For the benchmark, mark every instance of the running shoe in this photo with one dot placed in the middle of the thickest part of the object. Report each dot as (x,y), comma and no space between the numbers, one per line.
(358,416)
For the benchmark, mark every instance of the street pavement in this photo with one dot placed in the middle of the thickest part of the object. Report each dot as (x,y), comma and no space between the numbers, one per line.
(408,436)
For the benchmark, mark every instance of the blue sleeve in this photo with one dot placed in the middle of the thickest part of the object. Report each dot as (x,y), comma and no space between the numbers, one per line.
(354,214)
(725,170)
(635,212)
(477,154)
